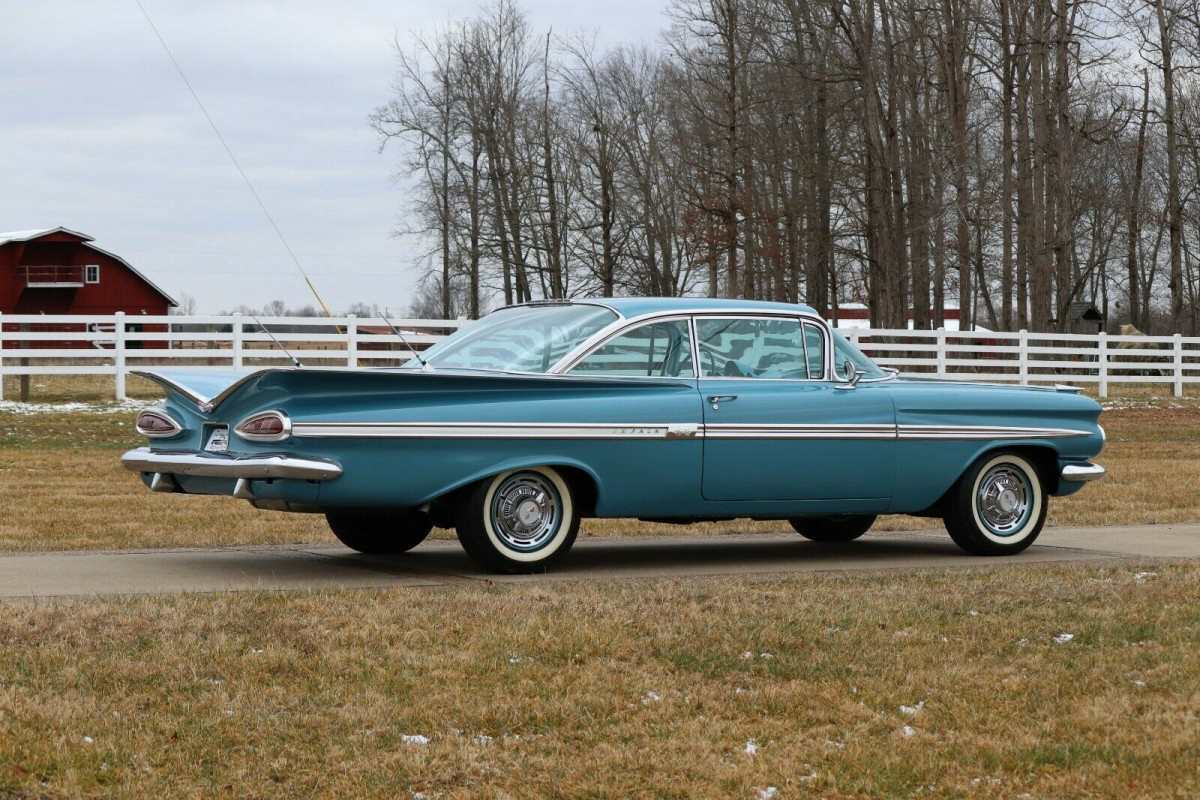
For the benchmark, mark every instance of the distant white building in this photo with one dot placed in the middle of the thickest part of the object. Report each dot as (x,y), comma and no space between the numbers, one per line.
(856,315)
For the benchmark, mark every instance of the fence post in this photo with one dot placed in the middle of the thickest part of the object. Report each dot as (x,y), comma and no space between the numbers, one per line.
(352,340)
(1023,356)
(1178,391)
(236,342)
(1102,364)
(119,351)
(941,352)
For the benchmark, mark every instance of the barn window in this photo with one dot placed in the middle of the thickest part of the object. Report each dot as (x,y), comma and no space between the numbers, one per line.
(92,273)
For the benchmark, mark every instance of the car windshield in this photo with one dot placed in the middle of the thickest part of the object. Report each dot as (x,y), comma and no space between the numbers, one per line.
(844,350)
(522,339)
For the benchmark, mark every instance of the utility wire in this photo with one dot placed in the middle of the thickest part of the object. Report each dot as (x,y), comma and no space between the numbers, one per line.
(232,157)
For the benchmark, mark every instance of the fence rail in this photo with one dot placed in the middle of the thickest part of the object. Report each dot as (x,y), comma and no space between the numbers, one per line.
(117,343)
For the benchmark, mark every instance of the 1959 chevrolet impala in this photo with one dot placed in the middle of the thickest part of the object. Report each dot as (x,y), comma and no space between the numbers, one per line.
(677,410)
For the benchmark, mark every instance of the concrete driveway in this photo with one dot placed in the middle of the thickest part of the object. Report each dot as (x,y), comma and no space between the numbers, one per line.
(441,563)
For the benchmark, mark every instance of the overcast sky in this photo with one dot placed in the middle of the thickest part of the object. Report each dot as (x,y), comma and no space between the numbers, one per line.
(99,134)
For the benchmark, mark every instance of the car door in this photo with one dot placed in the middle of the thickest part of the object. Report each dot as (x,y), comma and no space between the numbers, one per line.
(775,426)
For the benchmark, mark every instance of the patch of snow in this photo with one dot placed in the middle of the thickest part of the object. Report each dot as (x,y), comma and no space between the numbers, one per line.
(1142,576)
(414,738)
(1063,638)
(741,690)
(973,613)
(30,409)
(912,709)
(767,793)
(751,747)
(255,651)
(907,730)
(747,655)
(651,697)
(520,660)
(767,656)
(1138,682)
(835,745)
(484,739)
(88,740)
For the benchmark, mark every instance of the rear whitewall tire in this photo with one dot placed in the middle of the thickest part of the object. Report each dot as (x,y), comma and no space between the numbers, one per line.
(519,521)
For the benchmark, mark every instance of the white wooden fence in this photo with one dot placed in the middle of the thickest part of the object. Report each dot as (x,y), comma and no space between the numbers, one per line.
(115,344)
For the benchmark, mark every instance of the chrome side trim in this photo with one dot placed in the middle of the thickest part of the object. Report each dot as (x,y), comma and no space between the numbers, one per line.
(218,465)
(663,430)
(985,432)
(800,431)
(483,430)
(1082,472)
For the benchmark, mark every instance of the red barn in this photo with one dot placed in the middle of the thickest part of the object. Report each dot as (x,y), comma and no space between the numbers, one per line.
(59,271)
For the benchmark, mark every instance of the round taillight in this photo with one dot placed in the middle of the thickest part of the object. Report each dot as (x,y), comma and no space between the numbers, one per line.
(156,423)
(267,426)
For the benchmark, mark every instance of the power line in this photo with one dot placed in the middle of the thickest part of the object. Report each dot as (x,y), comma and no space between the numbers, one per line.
(232,157)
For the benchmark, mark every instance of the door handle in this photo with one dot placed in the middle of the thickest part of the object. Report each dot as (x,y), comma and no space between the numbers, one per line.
(716,399)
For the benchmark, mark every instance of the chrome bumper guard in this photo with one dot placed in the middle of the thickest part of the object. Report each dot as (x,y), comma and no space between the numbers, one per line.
(1082,472)
(222,465)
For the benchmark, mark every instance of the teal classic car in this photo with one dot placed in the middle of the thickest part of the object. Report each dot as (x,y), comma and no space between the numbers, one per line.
(681,410)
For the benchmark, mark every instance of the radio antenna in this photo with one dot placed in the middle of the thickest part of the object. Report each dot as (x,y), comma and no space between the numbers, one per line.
(278,343)
(424,364)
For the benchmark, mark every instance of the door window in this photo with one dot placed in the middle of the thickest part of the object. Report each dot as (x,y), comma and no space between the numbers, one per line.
(760,347)
(658,349)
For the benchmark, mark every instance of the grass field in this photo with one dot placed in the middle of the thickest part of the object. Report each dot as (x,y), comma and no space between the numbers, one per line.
(61,487)
(1021,681)
(1014,682)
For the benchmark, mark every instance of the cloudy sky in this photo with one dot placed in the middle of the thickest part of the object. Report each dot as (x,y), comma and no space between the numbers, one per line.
(99,134)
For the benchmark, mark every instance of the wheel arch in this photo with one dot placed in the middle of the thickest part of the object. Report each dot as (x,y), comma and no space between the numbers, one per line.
(1043,457)
(581,478)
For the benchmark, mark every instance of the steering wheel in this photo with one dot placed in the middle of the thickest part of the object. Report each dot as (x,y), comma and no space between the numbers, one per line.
(733,370)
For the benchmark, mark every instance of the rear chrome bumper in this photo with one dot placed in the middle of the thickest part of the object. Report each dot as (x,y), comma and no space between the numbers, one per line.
(1082,472)
(229,465)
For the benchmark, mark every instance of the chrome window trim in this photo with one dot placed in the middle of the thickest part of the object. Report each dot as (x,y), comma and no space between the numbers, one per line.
(626,325)
(265,437)
(802,318)
(602,335)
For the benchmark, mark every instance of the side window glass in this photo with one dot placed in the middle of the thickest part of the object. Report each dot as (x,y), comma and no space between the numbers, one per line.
(814,351)
(756,348)
(659,349)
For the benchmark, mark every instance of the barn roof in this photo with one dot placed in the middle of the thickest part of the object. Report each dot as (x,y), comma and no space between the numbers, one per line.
(25,236)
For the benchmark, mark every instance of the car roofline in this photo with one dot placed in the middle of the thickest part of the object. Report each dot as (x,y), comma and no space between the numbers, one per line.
(624,323)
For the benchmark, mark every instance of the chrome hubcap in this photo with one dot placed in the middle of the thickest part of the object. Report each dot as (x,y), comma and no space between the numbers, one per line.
(1004,500)
(526,511)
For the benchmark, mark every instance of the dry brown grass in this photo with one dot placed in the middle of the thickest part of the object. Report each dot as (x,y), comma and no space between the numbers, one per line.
(61,487)
(636,689)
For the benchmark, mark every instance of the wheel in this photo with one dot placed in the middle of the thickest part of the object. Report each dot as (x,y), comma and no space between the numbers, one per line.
(519,521)
(834,527)
(998,506)
(379,532)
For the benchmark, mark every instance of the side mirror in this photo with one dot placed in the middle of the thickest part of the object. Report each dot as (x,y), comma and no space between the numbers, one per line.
(856,376)
(847,370)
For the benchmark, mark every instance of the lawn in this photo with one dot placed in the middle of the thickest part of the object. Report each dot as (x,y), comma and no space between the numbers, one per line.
(62,487)
(1036,681)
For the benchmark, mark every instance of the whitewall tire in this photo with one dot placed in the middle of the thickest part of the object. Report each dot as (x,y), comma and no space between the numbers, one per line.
(519,521)
(998,507)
